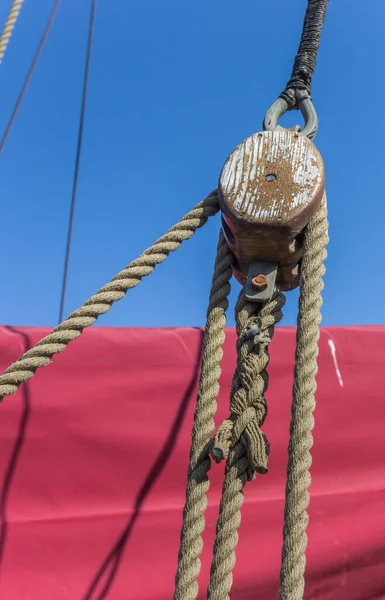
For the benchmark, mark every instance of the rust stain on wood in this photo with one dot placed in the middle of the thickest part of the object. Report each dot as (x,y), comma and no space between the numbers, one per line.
(269,188)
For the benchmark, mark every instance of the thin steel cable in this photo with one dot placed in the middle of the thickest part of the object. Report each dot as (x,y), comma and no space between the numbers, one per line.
(29,76)
(9,25)
(77,160)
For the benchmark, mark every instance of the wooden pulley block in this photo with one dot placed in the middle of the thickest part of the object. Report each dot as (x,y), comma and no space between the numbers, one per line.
(269,189)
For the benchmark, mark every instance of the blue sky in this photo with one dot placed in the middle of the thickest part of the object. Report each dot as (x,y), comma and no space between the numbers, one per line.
(174,87)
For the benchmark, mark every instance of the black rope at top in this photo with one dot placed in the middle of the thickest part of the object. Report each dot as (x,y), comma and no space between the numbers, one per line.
(299,85)
(77,160)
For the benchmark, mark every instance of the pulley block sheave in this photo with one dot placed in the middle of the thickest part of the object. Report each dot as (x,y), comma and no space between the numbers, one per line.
(269,188)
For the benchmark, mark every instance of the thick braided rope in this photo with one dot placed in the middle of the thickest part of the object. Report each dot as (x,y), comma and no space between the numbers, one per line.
(302,422)
(239,437)
(191,544)
(9,26)
(70,329)
(300,83)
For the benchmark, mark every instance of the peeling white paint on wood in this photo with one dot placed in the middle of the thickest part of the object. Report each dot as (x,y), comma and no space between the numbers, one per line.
(288,156)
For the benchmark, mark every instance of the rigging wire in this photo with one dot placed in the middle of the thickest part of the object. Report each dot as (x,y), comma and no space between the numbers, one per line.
(29,76)
(77,160)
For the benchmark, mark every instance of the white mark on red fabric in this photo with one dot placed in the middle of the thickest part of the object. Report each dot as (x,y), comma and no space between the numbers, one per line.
(333,351)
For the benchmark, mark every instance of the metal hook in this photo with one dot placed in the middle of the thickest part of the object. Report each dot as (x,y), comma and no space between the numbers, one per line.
(308,112)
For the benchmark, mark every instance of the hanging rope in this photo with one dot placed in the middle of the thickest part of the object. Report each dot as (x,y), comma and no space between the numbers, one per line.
(41,354)
(297,93)
(29,76)
(300,83)
(239,439)
(302,422)
(186,586)
(77,159)
(9,26)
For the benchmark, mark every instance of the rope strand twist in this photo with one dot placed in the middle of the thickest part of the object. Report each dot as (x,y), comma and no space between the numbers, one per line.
(248,405)
(9,26)
(70,329)
(239,438)
(302,421)
(191,544)
(299,85)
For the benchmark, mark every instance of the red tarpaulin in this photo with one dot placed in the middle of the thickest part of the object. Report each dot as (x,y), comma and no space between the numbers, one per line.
(93,457)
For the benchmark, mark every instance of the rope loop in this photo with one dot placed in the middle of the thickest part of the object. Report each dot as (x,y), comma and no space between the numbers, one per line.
(297,93)
(306,107)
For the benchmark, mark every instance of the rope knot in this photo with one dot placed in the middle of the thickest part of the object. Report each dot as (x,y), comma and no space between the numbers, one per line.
(240,434)
(253,333)
(243,429)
